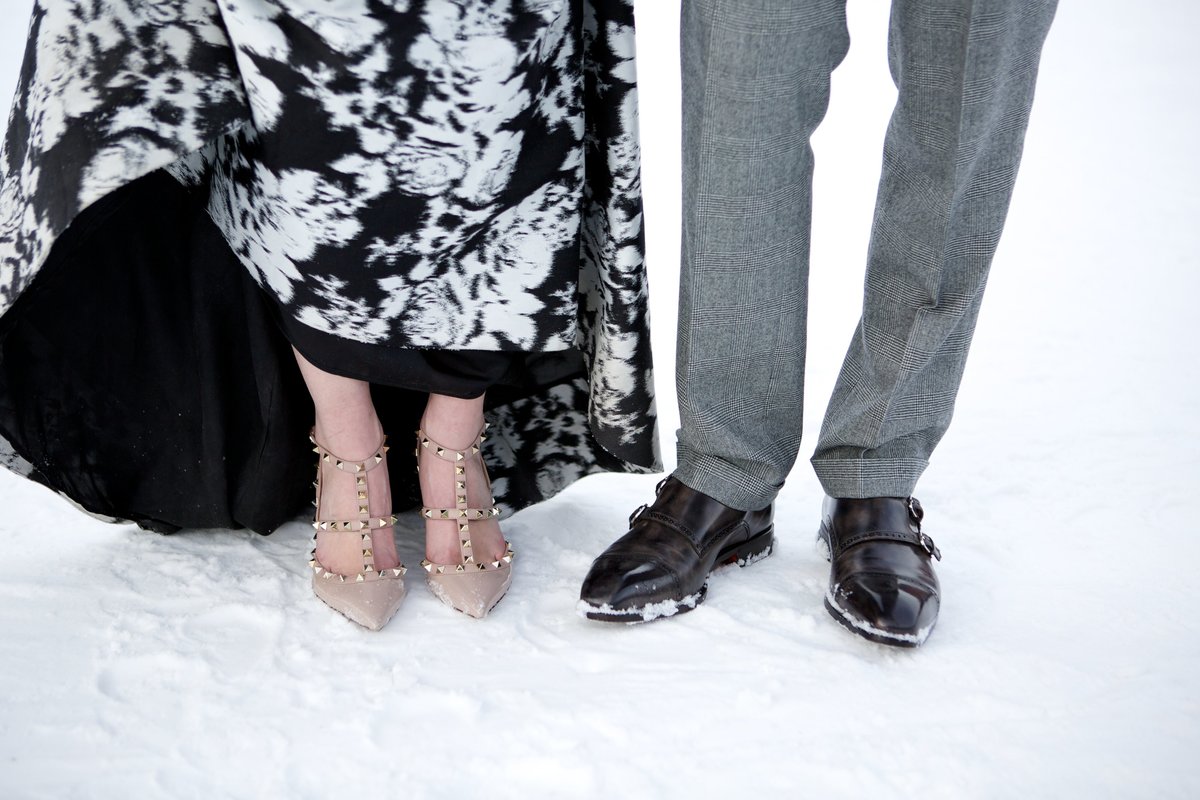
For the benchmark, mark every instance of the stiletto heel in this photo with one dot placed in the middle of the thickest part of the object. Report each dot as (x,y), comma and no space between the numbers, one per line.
(471,586)
(372,596)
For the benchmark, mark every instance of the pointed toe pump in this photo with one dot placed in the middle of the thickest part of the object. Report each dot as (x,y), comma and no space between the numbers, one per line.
(372,596)
(474,585)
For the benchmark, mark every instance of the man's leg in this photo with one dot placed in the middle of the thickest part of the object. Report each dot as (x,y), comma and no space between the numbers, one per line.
(755,85)
(965,70)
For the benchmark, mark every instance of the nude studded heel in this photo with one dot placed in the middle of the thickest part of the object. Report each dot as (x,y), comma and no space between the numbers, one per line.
(373,596)
(473,587)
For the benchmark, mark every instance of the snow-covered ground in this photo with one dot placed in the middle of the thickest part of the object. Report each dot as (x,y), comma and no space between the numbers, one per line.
(1067,659)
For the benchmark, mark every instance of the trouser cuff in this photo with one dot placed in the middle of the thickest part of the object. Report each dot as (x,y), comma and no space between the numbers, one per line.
(869,477)
(723,481)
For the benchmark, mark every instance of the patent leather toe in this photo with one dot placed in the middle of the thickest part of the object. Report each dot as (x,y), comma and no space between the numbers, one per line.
(621,582)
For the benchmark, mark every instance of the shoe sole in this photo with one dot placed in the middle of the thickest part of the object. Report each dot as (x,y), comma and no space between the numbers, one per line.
(861,627)
(744,554)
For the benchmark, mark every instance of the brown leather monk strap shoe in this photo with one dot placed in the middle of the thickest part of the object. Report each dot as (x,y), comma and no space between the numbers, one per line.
(661,566)
(881,582)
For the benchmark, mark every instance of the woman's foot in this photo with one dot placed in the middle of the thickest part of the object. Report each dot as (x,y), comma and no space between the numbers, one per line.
(346,424)
(337,551)
(455,425)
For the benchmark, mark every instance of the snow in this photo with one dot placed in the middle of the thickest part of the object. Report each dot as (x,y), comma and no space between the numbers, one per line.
(1067,658)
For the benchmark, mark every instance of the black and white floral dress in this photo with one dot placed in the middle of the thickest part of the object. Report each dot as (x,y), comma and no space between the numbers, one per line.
(433,195)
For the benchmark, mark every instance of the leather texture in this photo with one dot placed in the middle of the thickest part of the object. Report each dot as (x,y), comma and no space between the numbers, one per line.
(881,582)
(369,603)
(661,566)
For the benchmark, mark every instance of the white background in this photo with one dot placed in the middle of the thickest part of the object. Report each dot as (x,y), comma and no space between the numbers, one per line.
(1064,498)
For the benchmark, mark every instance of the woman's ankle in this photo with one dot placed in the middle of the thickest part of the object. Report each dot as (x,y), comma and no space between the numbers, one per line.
(453,422)
(353,440)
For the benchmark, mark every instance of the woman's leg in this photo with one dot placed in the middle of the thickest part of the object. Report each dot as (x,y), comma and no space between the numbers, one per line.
(454,423)
(346,424)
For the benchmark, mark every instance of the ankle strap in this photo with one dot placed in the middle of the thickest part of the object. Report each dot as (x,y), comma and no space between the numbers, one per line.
(449,453)
(346,464)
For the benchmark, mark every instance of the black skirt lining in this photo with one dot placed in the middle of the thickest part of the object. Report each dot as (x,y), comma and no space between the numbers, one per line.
(145,375)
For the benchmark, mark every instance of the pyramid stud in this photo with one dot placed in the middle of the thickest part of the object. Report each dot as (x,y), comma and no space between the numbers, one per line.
(359,579)
(397,572)
(460,568)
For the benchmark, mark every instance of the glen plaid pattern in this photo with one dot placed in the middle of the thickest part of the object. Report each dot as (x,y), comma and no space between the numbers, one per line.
(756,85)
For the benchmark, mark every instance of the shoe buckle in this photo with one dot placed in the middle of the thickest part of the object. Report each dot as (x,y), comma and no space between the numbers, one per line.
(917,514)
(637,512)
(929,546)
(915,511)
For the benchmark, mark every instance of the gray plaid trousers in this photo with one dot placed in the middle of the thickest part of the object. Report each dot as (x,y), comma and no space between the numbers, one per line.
(756,85)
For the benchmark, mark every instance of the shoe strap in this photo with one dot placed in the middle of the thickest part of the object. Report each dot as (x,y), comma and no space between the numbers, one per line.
(461,513)
(346,464)
(365,524)
(914,535)
(449,453)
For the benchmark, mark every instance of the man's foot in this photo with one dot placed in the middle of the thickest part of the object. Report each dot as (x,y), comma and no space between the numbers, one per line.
(661,566)
(881,583)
